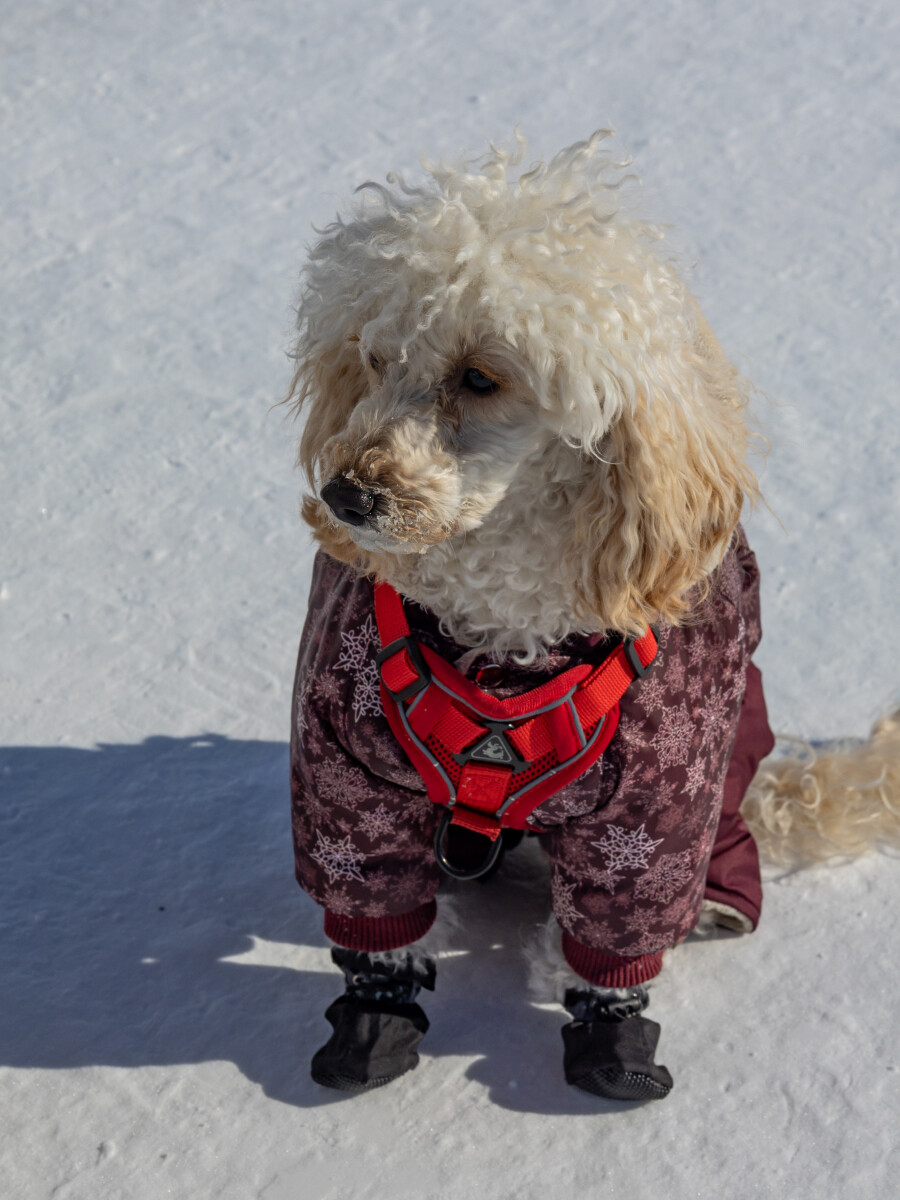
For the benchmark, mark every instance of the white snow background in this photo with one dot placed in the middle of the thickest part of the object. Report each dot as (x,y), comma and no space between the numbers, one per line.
(163,978)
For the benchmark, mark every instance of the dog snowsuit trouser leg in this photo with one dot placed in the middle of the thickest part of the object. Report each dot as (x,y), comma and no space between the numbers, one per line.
(636,843)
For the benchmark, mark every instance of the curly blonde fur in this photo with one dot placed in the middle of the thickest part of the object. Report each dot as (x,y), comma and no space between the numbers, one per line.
(611,454)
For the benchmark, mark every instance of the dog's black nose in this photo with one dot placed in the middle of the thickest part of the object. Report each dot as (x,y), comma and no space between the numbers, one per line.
(349,503)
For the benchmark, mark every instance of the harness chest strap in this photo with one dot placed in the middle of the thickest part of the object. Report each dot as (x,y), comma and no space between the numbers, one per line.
(491,761)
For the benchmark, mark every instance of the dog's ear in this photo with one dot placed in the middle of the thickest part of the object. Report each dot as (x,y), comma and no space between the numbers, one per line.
(328,383)
(666,488)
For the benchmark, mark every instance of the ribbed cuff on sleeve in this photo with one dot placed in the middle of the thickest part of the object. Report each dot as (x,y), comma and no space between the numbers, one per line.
(609,970)
(380,933)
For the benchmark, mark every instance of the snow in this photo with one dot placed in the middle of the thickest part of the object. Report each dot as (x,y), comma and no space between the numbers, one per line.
(164,978)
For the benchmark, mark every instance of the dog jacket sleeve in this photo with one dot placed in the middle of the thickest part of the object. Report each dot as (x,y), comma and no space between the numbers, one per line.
(629,878)
(360,816)
(630,841)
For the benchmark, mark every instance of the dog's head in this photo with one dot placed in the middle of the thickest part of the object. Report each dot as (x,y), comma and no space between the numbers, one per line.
(453,337)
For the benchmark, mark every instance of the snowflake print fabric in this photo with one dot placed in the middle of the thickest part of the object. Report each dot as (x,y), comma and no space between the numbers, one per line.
(630,842)
(338,859)
(673,742)
(626,848)
(667,877)
(355,658)
(342,784)
(377,821)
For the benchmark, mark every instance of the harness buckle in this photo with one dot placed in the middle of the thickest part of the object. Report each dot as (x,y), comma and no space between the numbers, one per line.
(412,648)
(633,658)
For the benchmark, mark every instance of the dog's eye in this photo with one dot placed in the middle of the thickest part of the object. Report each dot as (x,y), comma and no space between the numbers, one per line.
(374,361)
(479,383)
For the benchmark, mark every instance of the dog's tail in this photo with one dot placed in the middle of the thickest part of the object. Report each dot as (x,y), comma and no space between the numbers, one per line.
(838,802)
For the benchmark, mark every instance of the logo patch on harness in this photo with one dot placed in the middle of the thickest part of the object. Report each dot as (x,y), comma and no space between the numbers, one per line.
(493,749)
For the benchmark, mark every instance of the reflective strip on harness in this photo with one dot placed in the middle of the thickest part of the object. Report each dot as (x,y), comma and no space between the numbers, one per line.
(494,761)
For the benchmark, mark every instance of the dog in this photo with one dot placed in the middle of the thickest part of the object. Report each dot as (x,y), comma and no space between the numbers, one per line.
(528,460)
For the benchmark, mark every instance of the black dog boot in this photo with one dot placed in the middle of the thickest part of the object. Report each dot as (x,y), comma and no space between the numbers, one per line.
(377,1024)
(609,1046)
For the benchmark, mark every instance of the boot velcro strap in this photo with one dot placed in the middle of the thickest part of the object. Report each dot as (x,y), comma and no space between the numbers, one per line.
(400,968)
(606,1004)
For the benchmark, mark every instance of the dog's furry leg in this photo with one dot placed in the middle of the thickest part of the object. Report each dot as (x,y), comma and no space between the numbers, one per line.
(839,802)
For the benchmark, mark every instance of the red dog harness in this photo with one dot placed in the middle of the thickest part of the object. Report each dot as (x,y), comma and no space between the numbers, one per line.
(490,761)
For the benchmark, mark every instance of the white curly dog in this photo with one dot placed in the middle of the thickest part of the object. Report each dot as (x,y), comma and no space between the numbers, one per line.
(517,416)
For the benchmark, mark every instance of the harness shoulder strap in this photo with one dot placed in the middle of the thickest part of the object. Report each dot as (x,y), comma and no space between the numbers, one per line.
(399,671)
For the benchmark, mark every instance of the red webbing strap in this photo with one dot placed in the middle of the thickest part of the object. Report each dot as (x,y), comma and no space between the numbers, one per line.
(647,646)
(454,730)
(481,790)
(489,826)
(428,712)
(389,615)
(532,739)
(398,671)
(563,730)
(611,680)
(482,786)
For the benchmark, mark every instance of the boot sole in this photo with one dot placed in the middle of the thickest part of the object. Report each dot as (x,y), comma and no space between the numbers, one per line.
(621,1085)
(346,1083)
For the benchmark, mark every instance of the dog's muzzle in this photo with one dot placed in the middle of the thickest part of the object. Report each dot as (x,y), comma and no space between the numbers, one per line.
(349,502)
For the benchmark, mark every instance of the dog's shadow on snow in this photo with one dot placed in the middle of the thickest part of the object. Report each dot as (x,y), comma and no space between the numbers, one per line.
(137,884)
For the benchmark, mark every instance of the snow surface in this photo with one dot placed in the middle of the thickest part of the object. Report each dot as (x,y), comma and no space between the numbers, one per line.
(163,978)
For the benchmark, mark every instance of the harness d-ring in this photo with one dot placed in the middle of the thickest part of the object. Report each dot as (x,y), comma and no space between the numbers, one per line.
(457,872)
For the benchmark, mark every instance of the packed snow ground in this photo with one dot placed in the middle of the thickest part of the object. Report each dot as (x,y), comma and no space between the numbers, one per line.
(163,978)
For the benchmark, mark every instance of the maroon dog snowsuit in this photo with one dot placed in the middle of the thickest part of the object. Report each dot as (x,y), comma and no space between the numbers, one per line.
(635,843)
